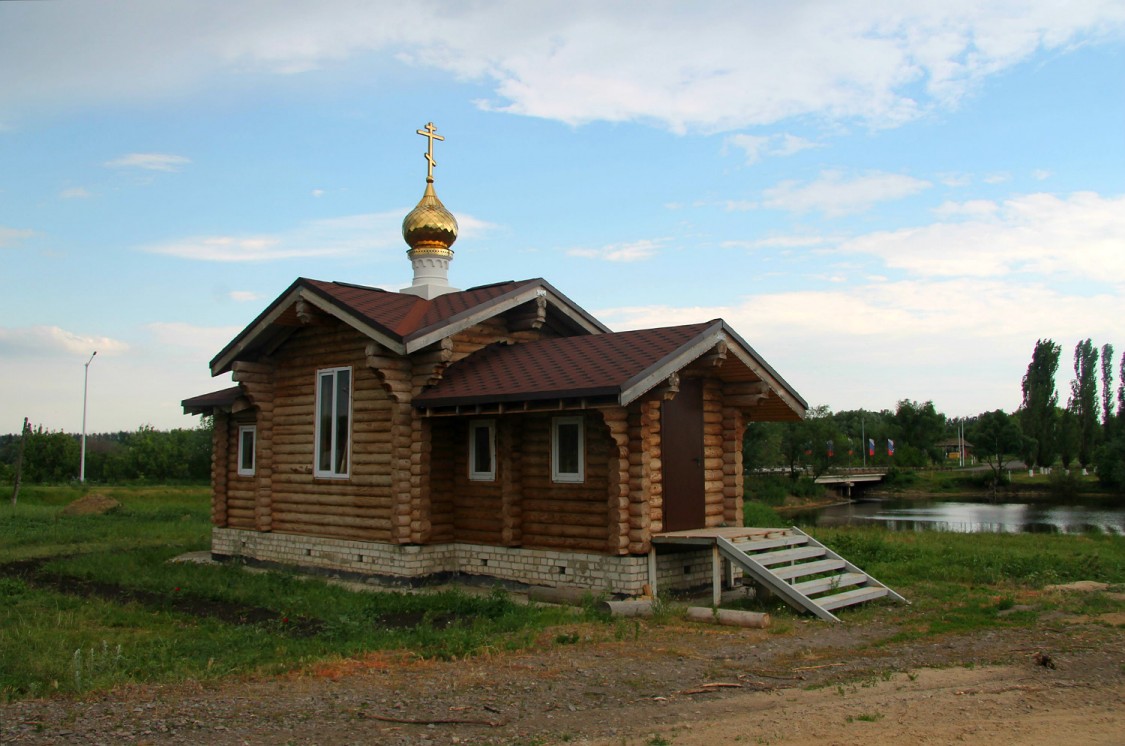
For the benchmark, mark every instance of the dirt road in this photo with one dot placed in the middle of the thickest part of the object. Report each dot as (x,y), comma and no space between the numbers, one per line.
(647,685)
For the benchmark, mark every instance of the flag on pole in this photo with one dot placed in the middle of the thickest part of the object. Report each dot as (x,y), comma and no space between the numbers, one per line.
(831,453)
(870,446)
(890,447)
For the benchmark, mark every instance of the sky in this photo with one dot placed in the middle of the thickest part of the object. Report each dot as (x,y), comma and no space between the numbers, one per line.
(888,200)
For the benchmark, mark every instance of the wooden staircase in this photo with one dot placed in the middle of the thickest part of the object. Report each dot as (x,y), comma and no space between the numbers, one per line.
(796,567)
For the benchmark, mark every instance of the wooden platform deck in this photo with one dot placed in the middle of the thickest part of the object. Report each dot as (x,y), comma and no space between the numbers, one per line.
(799,569)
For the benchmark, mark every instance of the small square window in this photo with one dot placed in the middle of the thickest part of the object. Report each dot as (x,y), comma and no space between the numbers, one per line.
(246,437)
(482,450)
(568,450)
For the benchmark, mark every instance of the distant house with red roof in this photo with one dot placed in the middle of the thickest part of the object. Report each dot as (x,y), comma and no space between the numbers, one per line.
(500,431)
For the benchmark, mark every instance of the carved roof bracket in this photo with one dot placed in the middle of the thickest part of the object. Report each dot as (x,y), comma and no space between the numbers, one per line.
(392,371)
(718,354)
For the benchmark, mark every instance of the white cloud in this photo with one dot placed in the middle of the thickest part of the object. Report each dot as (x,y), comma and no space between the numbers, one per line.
(633,251)
(835,195)
(344,236)
(971,208)
(751,145)
(54,341)
(318,192)
(780,242)
(957,321)
(74,193)
(1041,174)
(721,66)
(13,236)
(755,147)
(1039,235)
(244,296)
(962,340)
(207,340)
(150,162)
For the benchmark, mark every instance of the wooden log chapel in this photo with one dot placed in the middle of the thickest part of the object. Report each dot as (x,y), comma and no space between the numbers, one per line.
(500,432)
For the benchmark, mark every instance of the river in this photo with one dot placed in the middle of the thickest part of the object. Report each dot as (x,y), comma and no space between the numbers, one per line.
(967,516)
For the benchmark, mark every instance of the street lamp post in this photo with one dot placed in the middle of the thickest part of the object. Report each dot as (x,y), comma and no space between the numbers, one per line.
(85,382)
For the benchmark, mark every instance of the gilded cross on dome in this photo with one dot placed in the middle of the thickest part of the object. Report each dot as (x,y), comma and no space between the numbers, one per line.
(430,132)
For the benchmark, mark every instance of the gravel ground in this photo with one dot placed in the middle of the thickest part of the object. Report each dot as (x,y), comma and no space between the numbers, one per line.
(673,683)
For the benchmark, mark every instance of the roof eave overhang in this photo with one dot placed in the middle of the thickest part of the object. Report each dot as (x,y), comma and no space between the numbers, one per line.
(253,333)
(516,297)
(677,360)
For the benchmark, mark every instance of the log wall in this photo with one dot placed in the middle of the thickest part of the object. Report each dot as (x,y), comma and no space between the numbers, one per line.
(361,506)
(220,433)
(523,506)
(239,503)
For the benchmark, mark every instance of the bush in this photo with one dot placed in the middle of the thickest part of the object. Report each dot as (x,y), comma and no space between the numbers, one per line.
(766,489)
(759,515)
(807,487)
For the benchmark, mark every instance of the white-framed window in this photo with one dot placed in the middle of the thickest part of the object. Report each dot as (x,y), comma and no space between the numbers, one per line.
(333,422)
(568,449)
(482,450)
(247,435)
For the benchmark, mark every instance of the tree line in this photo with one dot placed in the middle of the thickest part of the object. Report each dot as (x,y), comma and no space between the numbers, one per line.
(1089,431)
(147,454)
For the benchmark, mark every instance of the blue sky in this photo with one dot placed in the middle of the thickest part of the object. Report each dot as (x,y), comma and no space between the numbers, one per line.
(887,200)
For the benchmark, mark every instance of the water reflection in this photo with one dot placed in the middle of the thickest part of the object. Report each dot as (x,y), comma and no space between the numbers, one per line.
(968,517)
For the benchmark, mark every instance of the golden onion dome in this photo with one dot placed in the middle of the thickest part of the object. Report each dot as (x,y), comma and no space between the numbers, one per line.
(430,228)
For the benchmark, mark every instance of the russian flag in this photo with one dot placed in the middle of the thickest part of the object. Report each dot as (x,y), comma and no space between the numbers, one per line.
(870,446)
(890,447)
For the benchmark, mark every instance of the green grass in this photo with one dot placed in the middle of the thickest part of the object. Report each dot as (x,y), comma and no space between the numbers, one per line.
(149,517)
(154,628)
(56,642)
(963,583)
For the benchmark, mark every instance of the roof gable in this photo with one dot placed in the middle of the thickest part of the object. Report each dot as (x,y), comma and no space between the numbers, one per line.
(401,322)
(621,365)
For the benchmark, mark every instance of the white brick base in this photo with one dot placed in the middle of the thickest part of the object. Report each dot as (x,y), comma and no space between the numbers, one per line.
(412,563)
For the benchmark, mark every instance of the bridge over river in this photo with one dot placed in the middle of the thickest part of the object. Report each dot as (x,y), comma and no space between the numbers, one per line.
(845,482)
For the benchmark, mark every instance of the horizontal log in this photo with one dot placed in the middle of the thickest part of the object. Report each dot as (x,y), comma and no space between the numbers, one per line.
(628,608)
(729,617)
(599,520)
(531,528)
(295,518)
(531,541)
(332,532)
(569,595)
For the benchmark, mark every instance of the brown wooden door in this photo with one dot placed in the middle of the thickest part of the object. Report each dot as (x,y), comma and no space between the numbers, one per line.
(682,458)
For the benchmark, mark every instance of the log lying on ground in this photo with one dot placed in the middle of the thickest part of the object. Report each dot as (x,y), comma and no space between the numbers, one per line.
(561,595)
(631,607)
(728,617)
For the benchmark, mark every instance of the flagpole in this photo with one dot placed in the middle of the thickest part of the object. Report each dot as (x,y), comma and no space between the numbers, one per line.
(863,440)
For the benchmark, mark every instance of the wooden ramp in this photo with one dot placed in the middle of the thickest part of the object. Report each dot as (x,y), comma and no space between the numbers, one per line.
(799,569)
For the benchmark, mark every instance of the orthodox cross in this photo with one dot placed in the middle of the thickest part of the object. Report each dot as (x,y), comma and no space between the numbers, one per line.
(430,132)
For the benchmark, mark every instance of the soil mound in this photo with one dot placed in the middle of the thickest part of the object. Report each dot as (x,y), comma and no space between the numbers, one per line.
(92,504)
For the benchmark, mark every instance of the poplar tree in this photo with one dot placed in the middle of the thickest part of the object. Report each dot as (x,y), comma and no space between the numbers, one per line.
(1038,418)
(1107,389)
(1084,399)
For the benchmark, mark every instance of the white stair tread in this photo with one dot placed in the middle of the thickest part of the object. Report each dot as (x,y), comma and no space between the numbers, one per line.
(756,545)
(808,568)
(847,598)
(820,585)
(789,555)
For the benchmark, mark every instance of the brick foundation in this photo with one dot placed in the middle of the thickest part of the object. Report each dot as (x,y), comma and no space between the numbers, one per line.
(411,564)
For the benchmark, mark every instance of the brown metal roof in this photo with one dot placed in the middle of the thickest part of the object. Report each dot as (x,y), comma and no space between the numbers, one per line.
(570,367)
(400,318)
(208,403)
